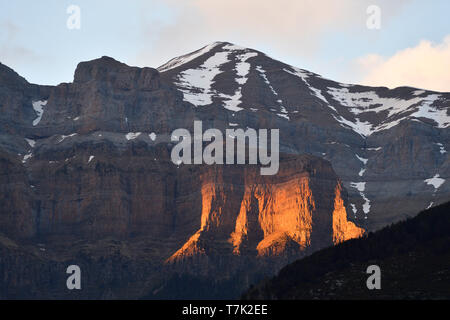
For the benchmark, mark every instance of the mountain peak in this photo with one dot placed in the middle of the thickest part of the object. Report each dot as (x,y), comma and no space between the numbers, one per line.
(9,76)
(96,69)
(236,78)
(204,51)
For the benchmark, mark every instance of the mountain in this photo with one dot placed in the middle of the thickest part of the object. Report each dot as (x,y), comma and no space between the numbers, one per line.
(413,256)
(389,147)
(86,175)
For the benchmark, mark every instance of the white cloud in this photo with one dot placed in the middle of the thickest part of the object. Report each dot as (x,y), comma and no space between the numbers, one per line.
(424,66)
(12,53)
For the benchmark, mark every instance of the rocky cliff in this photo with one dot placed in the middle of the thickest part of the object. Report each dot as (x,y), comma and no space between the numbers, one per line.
(282,216)
(86,175)
(209,222)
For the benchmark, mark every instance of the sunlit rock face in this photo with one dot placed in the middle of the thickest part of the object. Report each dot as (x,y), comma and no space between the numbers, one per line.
(136,208)
(244,214)
(342,228)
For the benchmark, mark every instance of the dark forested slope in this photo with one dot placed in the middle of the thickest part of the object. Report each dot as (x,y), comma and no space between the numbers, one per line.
(414,258)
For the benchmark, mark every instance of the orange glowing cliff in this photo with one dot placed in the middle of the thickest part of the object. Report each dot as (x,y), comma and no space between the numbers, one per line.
(300,209)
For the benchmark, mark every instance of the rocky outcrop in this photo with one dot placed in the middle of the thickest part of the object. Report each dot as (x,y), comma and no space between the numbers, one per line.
(16,200)
(282,217)
(16,96)
(343,229)
(107,95)
(211,222)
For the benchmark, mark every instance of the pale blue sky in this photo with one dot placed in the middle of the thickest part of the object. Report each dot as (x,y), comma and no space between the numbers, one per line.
(35,41)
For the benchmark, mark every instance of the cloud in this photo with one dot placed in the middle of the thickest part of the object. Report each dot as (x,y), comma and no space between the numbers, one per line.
(424,66)
(295,27)
(10,52)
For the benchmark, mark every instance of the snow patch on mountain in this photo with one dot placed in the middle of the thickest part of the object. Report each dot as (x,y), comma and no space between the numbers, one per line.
(426,110)
(233,47)
(242,69)
(436,181)
(63,137)
(27,157)
(362,102)
(363,160)
(132,135)
(31,142)
(178,61)
(284,112)
(38,107)
(354,209)
(196,83)
(304,75)
(361,187)
(232,102)
(283,115)
(441,148)
(363,128)
(263,75)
